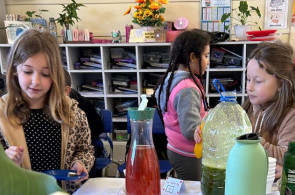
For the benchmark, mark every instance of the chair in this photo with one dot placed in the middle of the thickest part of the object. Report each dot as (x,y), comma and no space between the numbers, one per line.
(157,129)
(103,162)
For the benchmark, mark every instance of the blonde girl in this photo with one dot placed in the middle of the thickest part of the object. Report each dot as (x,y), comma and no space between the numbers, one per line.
(40,127)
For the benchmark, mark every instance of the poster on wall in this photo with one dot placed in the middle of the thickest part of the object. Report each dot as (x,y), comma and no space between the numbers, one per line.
(276,14)
(211,13)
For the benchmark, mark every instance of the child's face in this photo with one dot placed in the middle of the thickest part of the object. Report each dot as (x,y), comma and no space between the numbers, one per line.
(261,86)
(35,79)
(205,61)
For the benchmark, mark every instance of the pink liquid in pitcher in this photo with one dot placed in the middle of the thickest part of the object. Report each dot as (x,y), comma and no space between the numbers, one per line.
(142,171)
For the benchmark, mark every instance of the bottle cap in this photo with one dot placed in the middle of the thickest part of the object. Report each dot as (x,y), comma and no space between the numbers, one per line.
(136,114)
(227,96)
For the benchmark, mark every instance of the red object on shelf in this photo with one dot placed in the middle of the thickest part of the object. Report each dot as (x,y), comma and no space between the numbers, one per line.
(265,38)
(171,35)
(261,33)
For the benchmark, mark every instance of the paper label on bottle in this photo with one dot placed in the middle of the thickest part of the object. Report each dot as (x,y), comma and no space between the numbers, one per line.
(173,186)
(291,176)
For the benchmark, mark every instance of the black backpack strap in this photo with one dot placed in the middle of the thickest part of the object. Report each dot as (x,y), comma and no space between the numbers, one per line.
(153,103)
(127,147)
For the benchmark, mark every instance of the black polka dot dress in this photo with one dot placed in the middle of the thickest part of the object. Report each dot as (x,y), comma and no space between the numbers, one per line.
(43,139)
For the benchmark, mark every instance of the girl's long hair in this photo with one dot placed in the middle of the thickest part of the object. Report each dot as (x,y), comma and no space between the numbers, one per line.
(191,41)
(28,44)
(277,59)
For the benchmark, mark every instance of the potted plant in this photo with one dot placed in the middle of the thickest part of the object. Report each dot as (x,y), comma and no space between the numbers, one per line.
(243,13)
(36,19)
(148,13)
(68,16)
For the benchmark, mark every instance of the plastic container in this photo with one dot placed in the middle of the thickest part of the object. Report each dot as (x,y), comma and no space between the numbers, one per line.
(222,126)
(288,176)
(142,167)
(246,168)
(52,28)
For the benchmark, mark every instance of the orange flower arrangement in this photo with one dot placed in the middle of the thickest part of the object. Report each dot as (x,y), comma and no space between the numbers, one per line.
(148,12)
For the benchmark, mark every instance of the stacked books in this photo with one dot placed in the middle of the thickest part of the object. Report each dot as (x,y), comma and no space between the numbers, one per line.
(122,107)
(122,59)
(96,87)
(150,81)
(121,84)
(91,59)
(156,60)
(124,63)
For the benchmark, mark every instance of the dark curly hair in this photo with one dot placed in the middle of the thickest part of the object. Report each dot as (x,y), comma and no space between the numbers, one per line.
(191,41)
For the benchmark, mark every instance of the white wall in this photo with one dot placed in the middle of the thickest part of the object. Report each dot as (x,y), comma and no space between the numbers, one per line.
(2,18)
(103,16)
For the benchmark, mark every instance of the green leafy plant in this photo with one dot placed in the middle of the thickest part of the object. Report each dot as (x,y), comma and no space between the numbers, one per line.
(30,14)
(243,13)
(32,17)
(69,14)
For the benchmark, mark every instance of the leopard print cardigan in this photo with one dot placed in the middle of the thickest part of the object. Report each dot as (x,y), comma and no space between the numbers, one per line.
(76,144)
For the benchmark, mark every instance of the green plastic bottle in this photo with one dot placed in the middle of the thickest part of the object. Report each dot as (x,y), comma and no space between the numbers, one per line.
(288,176)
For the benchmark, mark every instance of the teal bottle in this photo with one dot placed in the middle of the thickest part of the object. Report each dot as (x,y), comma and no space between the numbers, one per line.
(247,167)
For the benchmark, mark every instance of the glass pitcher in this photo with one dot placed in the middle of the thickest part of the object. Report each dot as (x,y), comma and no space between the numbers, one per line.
(142,167)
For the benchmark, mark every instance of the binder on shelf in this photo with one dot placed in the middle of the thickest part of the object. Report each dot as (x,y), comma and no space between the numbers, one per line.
(130,65)
(92,64)
(92,88)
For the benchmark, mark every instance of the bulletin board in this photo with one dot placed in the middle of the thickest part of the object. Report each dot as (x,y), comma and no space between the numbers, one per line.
(211,13)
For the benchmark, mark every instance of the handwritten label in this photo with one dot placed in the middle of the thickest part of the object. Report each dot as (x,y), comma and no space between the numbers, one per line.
(173,186)
(139,35)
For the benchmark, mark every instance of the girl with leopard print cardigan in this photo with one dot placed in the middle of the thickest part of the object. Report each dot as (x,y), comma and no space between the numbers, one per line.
(40,127)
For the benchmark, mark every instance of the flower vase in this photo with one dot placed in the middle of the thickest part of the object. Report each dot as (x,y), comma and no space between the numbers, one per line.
(64,33)
(148,28)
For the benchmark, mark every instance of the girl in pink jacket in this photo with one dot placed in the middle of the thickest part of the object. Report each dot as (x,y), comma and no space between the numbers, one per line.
(181,99)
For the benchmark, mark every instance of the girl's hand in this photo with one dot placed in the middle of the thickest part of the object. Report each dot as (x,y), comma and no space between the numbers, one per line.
(15,153)
(279,170)
(80,168)
(197,134)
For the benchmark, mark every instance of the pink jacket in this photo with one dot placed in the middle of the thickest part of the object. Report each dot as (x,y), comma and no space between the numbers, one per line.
(177,142)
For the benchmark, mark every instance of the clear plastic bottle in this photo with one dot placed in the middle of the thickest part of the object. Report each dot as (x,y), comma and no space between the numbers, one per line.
(222,126)
(288,177)
(52,28)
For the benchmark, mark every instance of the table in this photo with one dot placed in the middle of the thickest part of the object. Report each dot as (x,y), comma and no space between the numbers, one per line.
(115,186)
